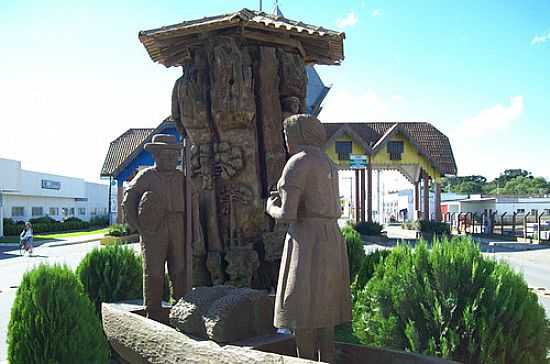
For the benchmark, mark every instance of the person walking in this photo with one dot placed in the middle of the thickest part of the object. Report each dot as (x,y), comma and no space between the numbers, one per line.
(25,238)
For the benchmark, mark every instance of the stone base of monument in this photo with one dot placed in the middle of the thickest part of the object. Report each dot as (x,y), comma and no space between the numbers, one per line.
(220,325)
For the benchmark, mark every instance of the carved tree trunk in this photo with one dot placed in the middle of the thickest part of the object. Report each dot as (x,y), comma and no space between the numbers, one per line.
(229,104)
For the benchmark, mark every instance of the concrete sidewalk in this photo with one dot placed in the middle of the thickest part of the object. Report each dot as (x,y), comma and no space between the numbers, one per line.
(60,242)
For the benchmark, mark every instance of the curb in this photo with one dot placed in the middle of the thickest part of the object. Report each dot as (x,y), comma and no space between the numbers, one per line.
(67,242)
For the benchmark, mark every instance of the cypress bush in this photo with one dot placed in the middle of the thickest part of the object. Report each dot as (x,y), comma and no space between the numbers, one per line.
(368,228)
(368,266)
(53,321)
(452,302)
(112,273)
(356,252)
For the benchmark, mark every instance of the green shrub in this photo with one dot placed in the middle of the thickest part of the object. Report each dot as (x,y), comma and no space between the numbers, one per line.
(434,227)
(53,321)
(47,227)
(99,221)
(454,303)
(118,230)
(368,228)
(72,219)
(110,274)
(356,252)
(42,220)
(8,221)
(366,271)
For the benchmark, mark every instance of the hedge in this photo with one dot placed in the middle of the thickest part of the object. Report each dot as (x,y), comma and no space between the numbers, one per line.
(454,303)
(53,321)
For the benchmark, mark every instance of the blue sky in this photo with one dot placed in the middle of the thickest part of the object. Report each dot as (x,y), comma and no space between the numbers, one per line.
(74,75)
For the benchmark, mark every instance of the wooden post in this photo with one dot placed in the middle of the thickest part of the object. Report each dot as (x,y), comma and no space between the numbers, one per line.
(188,217)
(417,199)
(362,195)
(369,191)
(437,201)
(426,196)
(119,197)
(357,197)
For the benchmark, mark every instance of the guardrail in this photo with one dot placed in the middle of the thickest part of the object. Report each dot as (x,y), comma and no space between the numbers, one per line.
(527,226)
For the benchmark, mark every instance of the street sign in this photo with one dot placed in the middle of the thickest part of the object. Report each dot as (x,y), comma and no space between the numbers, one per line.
(358,161)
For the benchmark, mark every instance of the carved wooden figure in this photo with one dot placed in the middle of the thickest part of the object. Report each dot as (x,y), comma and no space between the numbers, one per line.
(242,74)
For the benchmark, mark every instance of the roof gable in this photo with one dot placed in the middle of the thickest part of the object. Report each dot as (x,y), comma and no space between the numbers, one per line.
(127,146)
(426,138)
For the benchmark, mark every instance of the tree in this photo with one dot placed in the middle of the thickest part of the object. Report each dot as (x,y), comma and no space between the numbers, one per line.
(510,174)
(524,185)
(465,184)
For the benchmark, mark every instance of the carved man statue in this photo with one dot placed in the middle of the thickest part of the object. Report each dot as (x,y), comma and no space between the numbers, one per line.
(313,293)
(154,205)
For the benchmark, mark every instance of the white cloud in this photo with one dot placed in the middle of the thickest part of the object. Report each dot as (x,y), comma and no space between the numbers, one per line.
(363,4)
(494,118)
(540,39)
(349,21)
(377,12)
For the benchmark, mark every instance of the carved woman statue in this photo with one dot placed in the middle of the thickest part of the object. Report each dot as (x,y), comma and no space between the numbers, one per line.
(313,292)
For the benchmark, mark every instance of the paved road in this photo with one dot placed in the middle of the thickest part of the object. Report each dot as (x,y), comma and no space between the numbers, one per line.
(13,266)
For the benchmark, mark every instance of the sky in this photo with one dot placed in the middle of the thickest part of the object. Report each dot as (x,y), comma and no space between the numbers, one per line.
(74,75)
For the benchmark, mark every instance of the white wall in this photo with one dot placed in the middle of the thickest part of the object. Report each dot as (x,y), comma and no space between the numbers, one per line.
(31,185)
(512,205)
(10,175)
(26,190)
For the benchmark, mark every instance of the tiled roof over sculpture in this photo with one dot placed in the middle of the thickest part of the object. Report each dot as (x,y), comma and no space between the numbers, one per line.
(318,45)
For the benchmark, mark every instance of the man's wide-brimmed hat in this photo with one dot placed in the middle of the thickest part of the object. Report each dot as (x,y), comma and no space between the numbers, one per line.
(163,142)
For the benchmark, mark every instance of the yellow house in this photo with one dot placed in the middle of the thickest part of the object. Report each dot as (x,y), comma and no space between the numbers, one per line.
(419,151)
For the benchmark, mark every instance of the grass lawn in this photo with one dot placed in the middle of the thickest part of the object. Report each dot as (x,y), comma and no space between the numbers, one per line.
(54,236)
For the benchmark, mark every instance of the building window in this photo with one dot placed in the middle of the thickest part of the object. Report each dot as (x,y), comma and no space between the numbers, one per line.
(395,149)
(93,212)
(343,149)
(547,211)
(67,211)
(53,211)
(521,211)
(18,211)
(37,211)
(535,212)
(82,211)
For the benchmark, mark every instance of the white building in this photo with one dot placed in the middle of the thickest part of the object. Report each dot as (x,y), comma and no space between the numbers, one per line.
(26,194)
(500,204)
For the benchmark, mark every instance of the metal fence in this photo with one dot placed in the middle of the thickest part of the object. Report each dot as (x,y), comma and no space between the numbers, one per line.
(528,225)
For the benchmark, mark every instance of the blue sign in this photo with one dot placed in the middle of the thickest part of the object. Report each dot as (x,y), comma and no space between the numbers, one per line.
(51,185)
(358,161)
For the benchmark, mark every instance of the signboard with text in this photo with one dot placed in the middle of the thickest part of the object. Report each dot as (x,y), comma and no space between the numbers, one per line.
(358,161)
(51,185)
